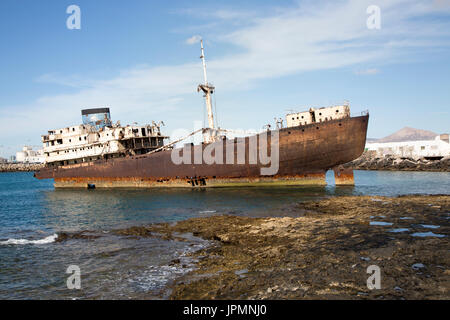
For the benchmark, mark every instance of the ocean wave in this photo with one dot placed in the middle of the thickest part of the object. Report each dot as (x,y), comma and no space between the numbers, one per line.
(208,211)
(45,240)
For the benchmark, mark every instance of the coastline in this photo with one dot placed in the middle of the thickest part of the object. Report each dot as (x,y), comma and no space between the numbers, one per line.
(321,254)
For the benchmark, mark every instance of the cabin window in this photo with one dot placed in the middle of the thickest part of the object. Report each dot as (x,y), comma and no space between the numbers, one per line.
(422,148)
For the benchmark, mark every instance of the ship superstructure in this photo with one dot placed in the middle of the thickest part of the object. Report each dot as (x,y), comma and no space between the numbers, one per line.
(97,138)
(314,115)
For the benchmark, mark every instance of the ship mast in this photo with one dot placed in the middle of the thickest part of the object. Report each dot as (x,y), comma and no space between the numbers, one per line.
(207,89)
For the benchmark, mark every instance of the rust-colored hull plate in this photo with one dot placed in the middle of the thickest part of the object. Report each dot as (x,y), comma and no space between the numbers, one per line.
(305,154)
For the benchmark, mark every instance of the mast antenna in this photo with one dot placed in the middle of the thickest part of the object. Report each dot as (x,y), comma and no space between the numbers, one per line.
(207,89)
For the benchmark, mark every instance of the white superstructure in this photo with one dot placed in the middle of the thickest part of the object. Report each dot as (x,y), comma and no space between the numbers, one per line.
(317,115)
(90,142)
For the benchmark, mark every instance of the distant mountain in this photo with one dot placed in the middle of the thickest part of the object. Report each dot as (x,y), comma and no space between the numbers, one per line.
(409,134)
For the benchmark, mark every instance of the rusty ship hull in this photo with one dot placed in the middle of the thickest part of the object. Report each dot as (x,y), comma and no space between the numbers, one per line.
(305,154)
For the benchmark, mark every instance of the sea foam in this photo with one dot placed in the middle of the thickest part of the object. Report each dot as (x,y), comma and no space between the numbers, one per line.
(45,240)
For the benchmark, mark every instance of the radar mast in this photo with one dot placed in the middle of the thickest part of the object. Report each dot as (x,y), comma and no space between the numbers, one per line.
(207,89)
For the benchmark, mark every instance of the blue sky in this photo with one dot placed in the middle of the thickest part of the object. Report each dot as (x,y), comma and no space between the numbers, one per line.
(141,59)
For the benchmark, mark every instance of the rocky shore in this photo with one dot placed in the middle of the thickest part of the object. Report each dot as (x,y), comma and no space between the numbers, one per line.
(369,161)
(17,167)
(323,253)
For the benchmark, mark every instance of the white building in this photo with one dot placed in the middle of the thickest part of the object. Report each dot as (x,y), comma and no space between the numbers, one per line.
(432,149)
(28,155)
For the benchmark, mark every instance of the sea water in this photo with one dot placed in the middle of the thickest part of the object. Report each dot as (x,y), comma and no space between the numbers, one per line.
(33,263)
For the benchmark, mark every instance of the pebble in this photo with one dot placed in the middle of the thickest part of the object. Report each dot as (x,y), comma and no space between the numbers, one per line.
(417,266)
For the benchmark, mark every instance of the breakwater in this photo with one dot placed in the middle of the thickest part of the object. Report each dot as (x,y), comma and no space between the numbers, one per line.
(20,167)
(370,161)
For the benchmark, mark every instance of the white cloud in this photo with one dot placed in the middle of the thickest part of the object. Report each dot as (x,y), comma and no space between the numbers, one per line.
(285,41)
(193,40)
(370,71)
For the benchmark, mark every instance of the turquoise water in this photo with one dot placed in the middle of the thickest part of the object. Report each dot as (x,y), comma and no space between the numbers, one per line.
(123,267)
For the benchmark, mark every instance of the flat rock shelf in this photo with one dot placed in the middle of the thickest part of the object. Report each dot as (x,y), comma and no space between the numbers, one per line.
(323,253)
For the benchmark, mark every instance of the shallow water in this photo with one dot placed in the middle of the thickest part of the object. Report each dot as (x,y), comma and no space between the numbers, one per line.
(33,266)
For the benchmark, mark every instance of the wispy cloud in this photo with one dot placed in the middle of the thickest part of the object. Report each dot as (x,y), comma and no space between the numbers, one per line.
(370,71)
(193,40)
(270,44)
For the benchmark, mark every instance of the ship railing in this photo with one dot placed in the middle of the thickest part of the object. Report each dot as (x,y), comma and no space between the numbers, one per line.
(361,113)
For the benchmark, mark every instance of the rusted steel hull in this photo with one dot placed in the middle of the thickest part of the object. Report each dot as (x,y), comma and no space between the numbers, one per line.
(305,154)
(343,176)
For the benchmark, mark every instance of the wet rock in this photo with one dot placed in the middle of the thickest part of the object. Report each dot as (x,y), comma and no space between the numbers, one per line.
(317,255)
(86,235)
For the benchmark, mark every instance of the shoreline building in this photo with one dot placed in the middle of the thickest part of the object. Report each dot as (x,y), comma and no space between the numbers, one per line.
(28,155)
(428,149)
